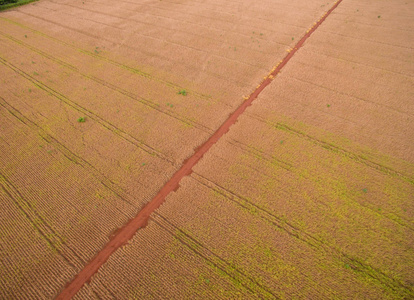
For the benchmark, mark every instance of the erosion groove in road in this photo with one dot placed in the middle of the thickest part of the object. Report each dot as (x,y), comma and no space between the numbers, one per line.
(141,219)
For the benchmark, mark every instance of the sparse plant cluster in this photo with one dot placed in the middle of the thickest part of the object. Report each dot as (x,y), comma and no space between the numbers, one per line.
(182,92)
(81,120)
(2,2)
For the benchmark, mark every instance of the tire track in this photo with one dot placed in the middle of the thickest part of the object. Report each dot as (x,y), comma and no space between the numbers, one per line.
(124,92)
(141,219)
(346,94)
(336,149)
(106,182)
(261,155)
(212,259)
(366,65)
(113,62)
(165,28)
(209,17)
(237,83)
(367,40)
(269,29)
(39,223)
(289,167)
(309,239)
(88,113)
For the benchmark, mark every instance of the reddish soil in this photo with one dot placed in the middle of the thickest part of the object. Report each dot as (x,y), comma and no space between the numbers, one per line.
(127,232)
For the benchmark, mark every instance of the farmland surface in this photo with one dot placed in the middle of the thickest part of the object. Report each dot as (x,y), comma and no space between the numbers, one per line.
(308,195)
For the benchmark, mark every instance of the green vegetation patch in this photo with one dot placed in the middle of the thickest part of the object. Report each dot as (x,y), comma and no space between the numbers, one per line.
(182,92)
(6,4)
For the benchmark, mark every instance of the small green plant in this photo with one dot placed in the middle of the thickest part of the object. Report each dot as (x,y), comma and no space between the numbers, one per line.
(293,38)
(25,36)
(365,190)
(81,120)
(328,105)
(2,2)
(379,17)
(182,92)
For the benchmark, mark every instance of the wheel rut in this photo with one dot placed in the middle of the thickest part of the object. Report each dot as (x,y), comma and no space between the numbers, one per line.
(124,234)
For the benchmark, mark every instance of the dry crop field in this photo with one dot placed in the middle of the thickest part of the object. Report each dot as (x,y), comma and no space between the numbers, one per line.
(126,174)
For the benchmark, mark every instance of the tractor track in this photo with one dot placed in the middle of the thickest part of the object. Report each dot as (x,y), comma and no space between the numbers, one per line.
(124,234)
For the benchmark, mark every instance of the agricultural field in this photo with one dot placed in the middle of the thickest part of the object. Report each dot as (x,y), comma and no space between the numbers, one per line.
(309,194)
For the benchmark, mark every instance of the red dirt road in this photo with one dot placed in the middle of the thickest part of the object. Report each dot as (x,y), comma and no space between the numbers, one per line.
(127,232)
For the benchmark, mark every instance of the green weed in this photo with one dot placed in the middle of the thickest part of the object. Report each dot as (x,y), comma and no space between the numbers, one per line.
(182,92)
(81,120)
(13,3)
